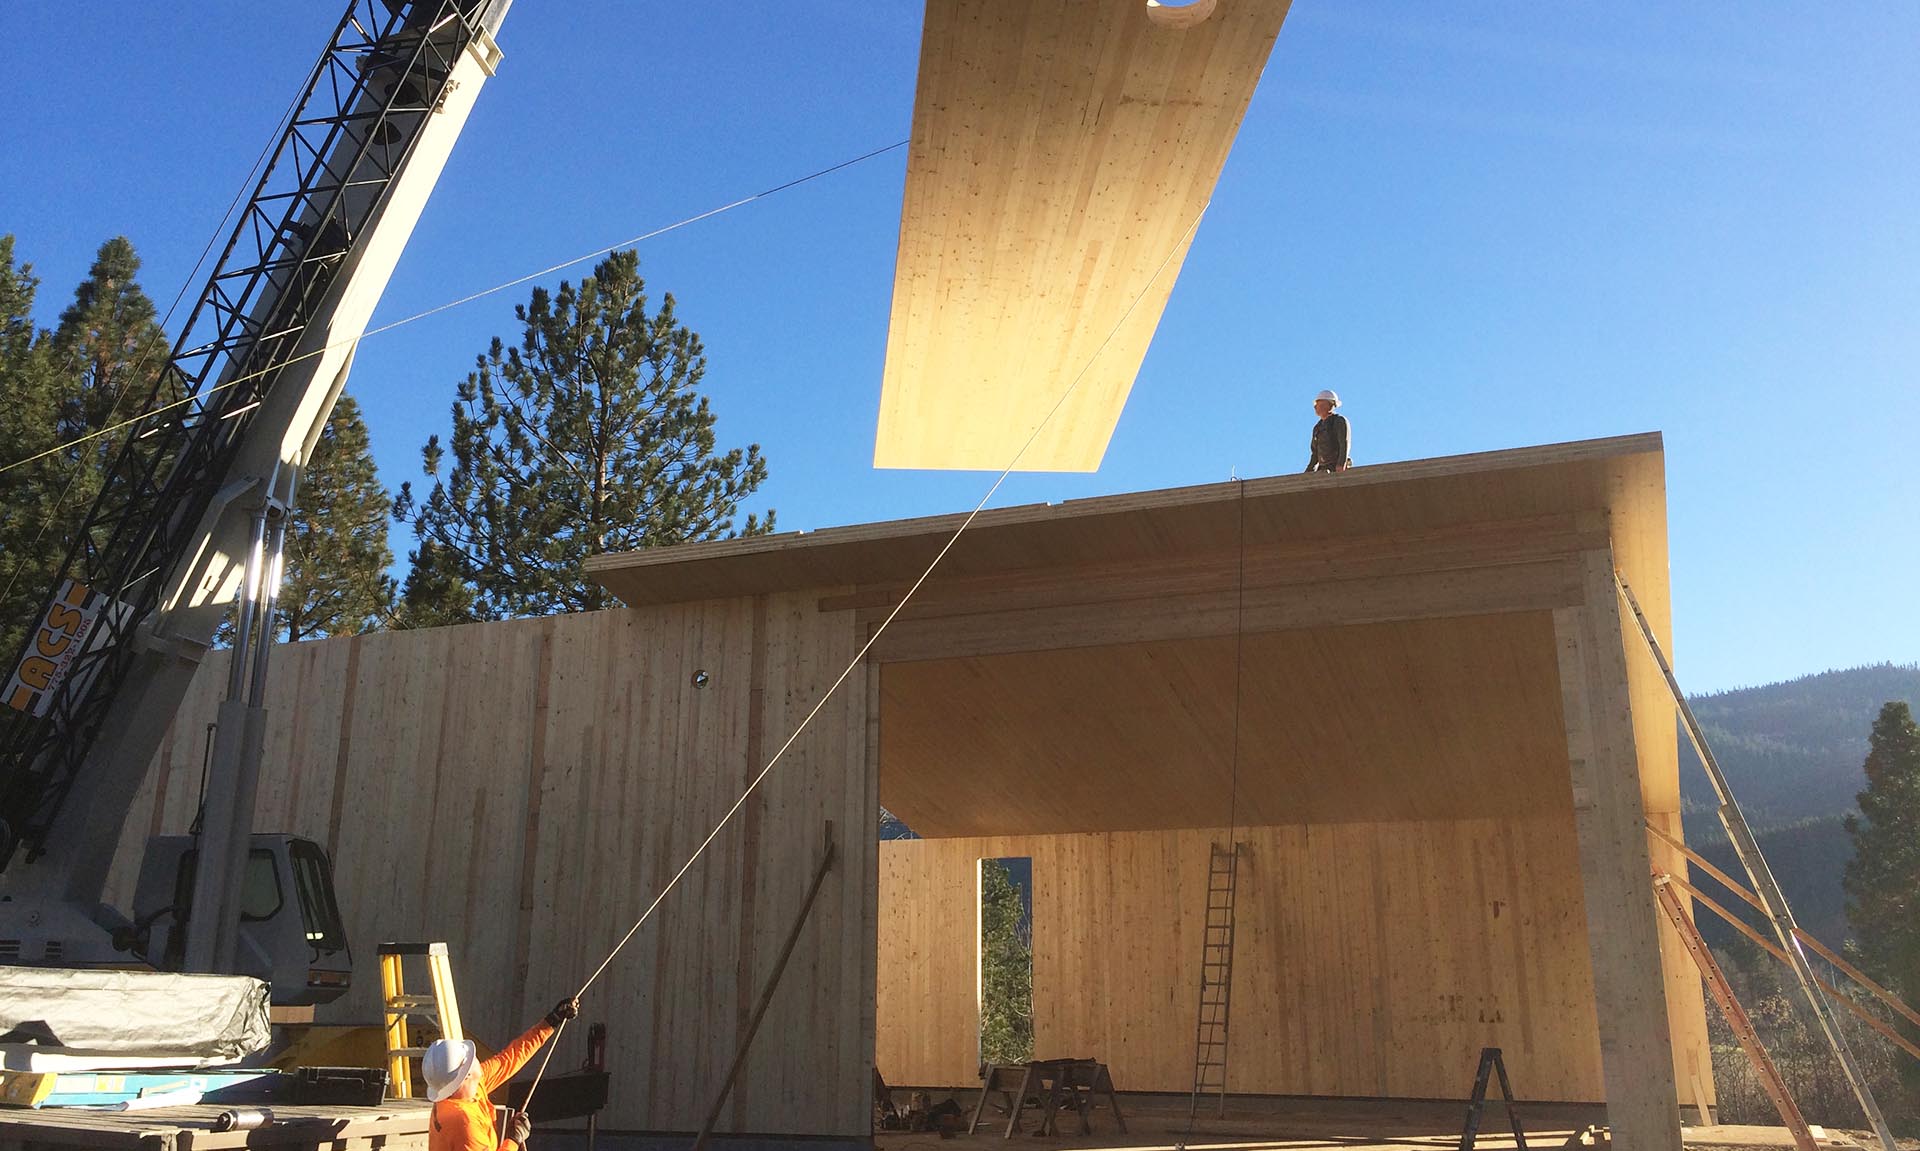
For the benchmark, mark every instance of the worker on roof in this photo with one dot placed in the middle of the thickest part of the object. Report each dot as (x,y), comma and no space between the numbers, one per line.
(459,1084)
(1331,440)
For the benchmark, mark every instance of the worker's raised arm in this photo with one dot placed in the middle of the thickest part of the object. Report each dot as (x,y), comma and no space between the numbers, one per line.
(514,1056)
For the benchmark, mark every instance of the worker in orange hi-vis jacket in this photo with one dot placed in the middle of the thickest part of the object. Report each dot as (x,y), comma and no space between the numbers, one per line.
(458,1083)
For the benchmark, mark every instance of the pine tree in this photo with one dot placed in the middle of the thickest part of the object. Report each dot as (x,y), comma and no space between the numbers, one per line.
(111,347)
(589,437)
(99,367)
(335,580)
(30,395)
(435,593)
(1883,878)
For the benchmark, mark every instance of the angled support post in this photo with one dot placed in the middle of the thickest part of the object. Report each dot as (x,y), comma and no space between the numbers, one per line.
(829,852)
(1774,904)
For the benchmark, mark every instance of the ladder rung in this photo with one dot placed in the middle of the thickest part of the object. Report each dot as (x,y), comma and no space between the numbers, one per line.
(409,1052)
(412,1001)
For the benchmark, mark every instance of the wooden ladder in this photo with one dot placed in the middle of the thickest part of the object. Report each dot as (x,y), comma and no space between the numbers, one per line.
(438,1004)
(1736,1015)
(1216,981)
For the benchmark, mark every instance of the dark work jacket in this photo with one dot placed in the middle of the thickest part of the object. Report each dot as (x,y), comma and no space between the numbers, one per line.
(1330,444)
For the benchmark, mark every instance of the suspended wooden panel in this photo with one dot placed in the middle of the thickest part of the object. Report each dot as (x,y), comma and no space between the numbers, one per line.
(1061,155)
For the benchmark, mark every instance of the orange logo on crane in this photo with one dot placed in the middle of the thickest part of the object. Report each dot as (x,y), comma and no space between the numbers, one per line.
(61,635)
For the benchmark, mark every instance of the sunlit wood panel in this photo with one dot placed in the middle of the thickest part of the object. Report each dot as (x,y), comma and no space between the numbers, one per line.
(1062,152)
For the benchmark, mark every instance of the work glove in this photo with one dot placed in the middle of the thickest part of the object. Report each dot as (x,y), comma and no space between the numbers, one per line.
(564,1010)
(519,1127)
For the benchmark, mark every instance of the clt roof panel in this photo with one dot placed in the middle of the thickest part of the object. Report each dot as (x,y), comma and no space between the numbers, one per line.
(1061,155)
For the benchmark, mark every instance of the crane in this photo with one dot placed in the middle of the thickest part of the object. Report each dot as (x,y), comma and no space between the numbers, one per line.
(188,527)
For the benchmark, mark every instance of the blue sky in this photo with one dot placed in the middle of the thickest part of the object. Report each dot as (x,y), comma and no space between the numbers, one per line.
(1486,225)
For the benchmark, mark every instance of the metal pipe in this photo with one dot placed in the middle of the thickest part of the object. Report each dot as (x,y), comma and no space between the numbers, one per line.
(244,610)
(276,543)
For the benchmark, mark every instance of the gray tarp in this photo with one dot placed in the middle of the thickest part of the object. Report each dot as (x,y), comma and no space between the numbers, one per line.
(198,1018)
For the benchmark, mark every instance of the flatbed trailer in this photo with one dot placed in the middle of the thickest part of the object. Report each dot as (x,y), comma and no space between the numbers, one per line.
(395,1125)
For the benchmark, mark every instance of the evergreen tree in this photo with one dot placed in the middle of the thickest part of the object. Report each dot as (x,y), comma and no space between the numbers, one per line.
(335,580)
(30,396)
(1883,878)
(1006,969)
(435,593)
(99,367)
(589,437)
(112,350)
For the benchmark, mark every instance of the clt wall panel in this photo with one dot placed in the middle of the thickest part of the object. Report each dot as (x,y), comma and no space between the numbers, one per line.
(1371,960)
(927,1017)
(521,790)
(1061,155)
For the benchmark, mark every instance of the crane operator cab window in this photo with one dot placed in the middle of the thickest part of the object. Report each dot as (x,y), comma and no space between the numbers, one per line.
(260,897)
(313,879)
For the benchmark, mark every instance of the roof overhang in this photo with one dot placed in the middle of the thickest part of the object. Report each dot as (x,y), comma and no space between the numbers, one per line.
(1375,645)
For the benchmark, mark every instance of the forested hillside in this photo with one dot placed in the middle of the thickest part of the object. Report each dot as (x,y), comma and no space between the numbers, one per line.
(1792,752)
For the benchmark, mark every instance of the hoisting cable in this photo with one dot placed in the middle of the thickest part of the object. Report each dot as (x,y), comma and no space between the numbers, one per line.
(1239,663)
(450,304)
(861,655)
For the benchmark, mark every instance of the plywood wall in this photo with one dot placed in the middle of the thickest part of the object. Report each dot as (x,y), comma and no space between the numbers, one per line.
(1372,959)
(521,790)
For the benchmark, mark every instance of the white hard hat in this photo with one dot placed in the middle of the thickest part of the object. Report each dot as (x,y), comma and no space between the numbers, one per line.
(1329,395)
(445,1066)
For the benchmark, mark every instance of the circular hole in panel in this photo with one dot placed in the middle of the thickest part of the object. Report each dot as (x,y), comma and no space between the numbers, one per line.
(1179,13)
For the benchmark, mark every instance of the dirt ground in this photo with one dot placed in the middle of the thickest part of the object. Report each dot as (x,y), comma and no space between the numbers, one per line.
(1160,1123)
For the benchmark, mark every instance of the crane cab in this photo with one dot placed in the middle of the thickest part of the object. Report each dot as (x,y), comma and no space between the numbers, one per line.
(291,934)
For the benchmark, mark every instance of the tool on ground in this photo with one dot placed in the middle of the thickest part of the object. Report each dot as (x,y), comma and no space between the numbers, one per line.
(242,1119)
(1490,1061)
(1773,903)
(1736,1016)
(399,1006)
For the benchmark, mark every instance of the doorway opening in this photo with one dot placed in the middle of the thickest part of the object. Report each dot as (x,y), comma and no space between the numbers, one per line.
(1005,970)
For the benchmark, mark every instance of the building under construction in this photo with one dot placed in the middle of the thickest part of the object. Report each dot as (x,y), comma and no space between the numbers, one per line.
(1409,696)
(1329,785)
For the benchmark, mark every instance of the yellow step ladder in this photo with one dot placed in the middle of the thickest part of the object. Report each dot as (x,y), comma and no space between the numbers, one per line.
(438,1005)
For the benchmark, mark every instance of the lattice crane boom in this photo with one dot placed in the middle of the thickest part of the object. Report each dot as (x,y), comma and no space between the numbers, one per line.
(241,402)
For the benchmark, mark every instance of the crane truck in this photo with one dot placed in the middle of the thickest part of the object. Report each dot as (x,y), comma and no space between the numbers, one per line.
(188,529)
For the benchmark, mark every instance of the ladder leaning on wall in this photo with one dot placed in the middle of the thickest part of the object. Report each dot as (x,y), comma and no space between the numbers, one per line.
(1216,980)
(1773,903)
